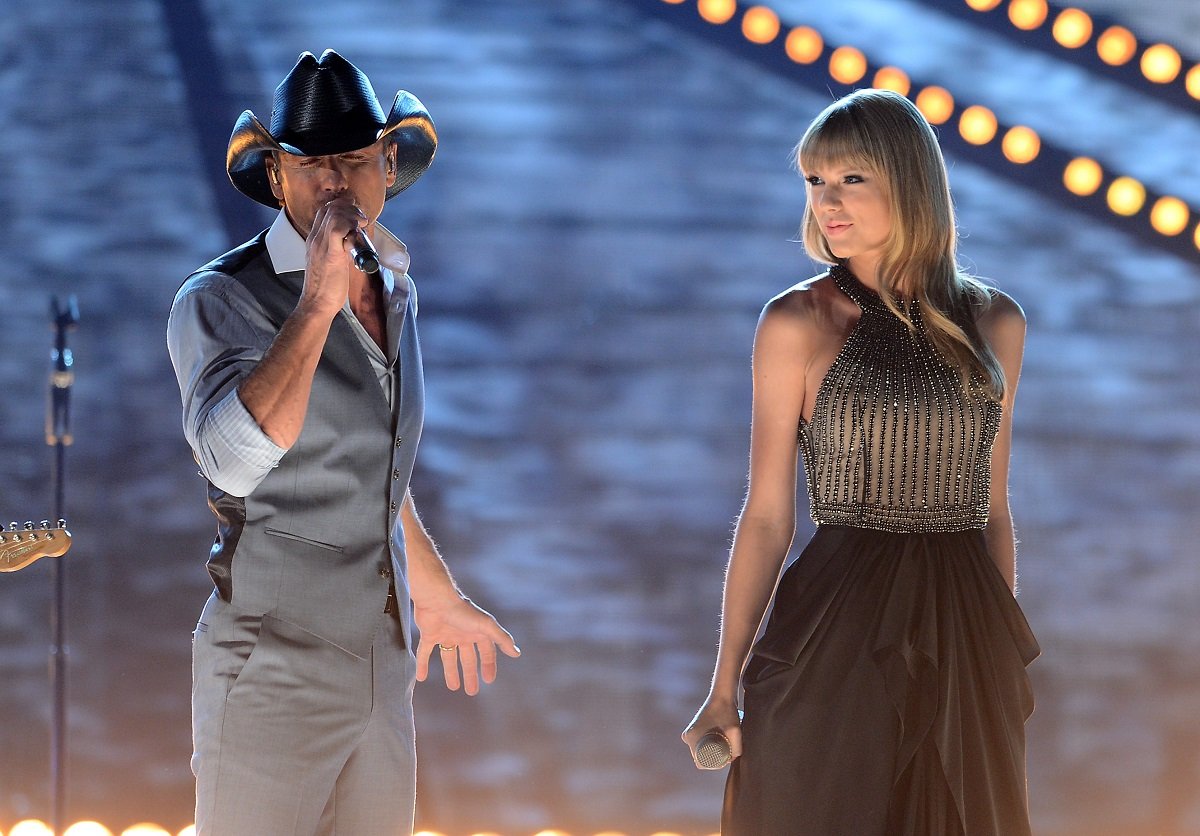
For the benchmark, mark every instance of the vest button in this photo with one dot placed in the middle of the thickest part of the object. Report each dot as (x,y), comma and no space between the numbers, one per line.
(398,440)
(385,571)
(393,507)
(396,473)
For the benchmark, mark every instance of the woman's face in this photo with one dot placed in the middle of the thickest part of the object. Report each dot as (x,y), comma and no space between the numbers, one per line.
(851,205)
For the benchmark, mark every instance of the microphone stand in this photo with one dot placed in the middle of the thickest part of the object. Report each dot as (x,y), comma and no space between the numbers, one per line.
(58,435)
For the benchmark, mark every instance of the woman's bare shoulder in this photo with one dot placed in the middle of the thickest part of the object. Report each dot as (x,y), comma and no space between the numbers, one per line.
(804,300)
(1003,316)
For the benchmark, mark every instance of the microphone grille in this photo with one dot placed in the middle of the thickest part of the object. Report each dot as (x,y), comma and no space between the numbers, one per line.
(712,751)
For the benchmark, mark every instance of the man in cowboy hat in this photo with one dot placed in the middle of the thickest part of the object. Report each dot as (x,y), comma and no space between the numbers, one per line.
(302,402)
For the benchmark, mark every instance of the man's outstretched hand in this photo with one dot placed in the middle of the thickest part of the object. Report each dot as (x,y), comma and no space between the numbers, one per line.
(465,637)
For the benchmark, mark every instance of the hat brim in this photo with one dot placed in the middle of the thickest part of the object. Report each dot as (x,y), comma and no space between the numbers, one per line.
(408,125)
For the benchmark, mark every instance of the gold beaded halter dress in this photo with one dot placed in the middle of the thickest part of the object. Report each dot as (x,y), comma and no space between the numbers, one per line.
(888,693)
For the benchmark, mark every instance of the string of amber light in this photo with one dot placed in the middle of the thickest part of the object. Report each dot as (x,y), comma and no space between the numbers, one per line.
(35,827)
(1116,46)
(1125,196)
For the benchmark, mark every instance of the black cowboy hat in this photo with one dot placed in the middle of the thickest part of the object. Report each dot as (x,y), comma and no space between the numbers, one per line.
(328,107)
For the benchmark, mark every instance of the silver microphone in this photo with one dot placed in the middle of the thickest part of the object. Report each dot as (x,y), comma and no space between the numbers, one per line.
(713,751)
(363,252)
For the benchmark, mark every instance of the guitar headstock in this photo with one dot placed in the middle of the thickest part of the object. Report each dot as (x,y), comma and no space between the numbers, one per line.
(21,545)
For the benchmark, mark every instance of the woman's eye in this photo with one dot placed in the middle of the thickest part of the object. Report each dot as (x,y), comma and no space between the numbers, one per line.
(813,180)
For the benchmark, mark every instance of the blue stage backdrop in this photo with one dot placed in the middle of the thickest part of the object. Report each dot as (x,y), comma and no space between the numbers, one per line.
(611,205)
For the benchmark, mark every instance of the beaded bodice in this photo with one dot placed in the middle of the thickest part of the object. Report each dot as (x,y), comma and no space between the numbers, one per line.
(894,443)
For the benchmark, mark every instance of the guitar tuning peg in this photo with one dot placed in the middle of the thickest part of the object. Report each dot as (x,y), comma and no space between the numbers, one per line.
(62,523)
(28,525)
(45,525)
(12,526)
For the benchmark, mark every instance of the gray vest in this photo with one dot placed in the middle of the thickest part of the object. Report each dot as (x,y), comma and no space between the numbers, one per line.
(318,541)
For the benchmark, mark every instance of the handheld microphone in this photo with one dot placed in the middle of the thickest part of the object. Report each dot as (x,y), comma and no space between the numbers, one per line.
(363,252)
(713,751)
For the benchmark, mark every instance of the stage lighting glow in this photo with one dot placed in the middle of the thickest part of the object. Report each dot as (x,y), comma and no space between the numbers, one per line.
(145,829)
(673,2)
(1169,216)
(717,11)
(1072,28)
(1192,82)
(977,125)
(1196,237)
(190,830)
(427,833)
(1126,196)
(847,64)
(1116,46)
(760,25)
(31,827)
(1083,176)
(1027,14)
(552,833)
(983,5)
(804,45)
(1021,145)
(893,78)
(87,828)
(1161,64)
(936,103)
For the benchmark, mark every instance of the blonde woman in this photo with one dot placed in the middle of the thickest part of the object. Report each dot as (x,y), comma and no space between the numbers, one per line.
(887,695)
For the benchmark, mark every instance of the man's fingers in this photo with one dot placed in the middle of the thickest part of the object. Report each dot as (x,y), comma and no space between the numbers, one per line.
(449,658)
(423,653)
(469,661)
(505,641)
(487,661)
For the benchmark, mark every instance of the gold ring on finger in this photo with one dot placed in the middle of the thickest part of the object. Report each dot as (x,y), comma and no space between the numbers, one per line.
(448,647)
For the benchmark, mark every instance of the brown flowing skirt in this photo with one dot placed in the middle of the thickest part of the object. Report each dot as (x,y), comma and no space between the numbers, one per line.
(888,695)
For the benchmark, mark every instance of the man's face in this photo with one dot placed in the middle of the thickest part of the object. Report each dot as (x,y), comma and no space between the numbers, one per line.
(305,184)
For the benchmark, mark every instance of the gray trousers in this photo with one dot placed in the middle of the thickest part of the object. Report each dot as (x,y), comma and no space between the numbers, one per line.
(293,736)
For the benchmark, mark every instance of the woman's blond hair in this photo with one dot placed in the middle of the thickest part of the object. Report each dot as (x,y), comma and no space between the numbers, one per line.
(888,136)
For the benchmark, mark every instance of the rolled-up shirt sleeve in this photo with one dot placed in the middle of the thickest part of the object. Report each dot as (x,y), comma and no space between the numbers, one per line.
(216,336)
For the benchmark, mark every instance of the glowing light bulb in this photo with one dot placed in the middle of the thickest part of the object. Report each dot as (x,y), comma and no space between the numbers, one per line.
(87,828)
(145,829)
(893,78)
(1161,64)
(760,25)
(717,11)
(804,45)
(847,64)
(977,125)
(983,5)
(1126,196)
(31,827)
(936,103)
(1083,176)
(1169,216)
(1027,14)
(1192,82)
(1116,46)
(1021,145)
(1072,28)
